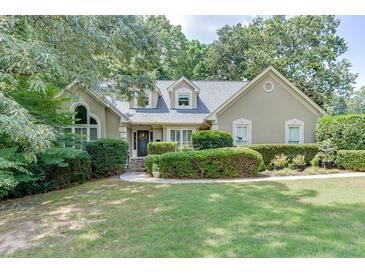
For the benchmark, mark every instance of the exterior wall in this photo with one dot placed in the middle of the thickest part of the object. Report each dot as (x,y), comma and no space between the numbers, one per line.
(268,112)
(96,108)
(112,124)
(157,134)
(183,85)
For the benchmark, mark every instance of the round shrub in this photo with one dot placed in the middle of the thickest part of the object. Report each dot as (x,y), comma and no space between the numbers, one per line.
(347,132)
(161,147)
(210,163)
(268,151)
(351,159)
(109,156)
(207,139)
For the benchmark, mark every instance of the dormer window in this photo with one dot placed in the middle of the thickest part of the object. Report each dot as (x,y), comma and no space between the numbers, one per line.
(183,99)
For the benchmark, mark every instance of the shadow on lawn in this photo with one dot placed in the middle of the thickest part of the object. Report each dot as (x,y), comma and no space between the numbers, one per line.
(196,220)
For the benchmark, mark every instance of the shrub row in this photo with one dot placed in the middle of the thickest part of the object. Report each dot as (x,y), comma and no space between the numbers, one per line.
(161,147)
(351,159)
(207,139)
(268,151)
(347,132)
(109,156)
(210,163)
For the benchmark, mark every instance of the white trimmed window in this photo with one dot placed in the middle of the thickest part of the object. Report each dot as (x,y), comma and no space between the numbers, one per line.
(294,132)
(242,131)
(181,136)
(86,125)
(183,99)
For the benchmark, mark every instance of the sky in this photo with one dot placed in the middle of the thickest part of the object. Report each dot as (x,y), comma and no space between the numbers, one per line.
(352,29)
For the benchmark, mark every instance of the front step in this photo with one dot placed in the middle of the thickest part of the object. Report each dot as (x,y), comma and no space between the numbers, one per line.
(136,165)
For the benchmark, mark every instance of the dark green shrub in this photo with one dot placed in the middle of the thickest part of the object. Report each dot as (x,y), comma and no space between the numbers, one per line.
(210,163)
(60,167)
(268,151)
(149,160)
(108,156)
(351,159)
(207,139)
(161,147)
(345,131)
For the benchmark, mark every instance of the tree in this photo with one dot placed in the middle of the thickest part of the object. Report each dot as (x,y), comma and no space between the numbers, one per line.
(306,49)
(357,103)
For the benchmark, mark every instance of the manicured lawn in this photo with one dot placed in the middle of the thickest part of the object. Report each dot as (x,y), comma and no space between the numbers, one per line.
(109,218)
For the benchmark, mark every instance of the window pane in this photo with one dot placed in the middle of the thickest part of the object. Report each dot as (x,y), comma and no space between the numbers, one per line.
(187,136)
(93,121)
(241,135)
(82,138)
(293,135)
(175,135)
(183,100)
(80,115)
(93,134)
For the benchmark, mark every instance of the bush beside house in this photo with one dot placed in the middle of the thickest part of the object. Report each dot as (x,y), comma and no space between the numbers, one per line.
(161,147)
(269,151)
(345,131)
(351,159)
(210,163)
(108,156)
(207,139)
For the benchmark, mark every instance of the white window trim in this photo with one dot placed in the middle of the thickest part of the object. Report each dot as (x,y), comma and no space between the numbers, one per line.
(181,134)
(89,115)
(272,86)
(183,92)
(242,122)
(294,123)
(149,105)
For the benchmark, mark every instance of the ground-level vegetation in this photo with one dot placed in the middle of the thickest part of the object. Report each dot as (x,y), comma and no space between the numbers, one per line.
(111,218)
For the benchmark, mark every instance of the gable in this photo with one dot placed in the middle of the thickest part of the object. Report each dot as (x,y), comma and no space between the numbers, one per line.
(287,92)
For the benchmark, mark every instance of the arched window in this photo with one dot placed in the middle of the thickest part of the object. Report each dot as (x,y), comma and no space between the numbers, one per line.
(87,126)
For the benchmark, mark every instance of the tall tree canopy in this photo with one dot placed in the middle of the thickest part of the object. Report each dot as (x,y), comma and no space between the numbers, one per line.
(356,104)
(306,49)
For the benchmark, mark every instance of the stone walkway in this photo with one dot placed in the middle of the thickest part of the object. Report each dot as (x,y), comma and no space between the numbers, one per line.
(137,177)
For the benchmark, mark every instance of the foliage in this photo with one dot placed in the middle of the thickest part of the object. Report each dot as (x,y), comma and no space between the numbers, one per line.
(280,161)
(109,156)
(345,131)
(117,49)
(351,159)
(317,160)
(46,107)
(149,160)
(65,166)
(155,167)
(161,147)
(299,161)
(268,151)
(306,49)
(207,139)
(178,56)
(327,151)
(210,163)
(356,104)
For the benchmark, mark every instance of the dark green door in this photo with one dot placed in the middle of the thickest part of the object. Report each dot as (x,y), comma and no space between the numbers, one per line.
(142,141)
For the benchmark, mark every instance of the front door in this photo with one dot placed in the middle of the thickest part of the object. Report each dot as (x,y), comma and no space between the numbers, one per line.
(142,141)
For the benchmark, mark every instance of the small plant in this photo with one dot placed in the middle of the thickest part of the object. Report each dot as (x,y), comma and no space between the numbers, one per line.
(317,161)
(280,161)
(299,162)
(155,170)
(327,153)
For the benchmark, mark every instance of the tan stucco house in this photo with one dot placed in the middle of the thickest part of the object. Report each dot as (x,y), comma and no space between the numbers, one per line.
(268,109)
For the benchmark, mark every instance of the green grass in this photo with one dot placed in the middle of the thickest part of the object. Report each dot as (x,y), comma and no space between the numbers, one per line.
(110,218)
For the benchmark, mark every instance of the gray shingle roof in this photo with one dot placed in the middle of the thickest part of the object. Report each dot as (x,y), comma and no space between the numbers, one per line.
(211,95)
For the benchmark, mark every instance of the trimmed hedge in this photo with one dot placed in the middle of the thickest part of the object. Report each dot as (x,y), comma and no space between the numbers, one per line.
(207,139)
(268,151)
(347,132)
(351,159)
(161,147)
(210,163)
(63,166)
(149,160)
(108,156)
